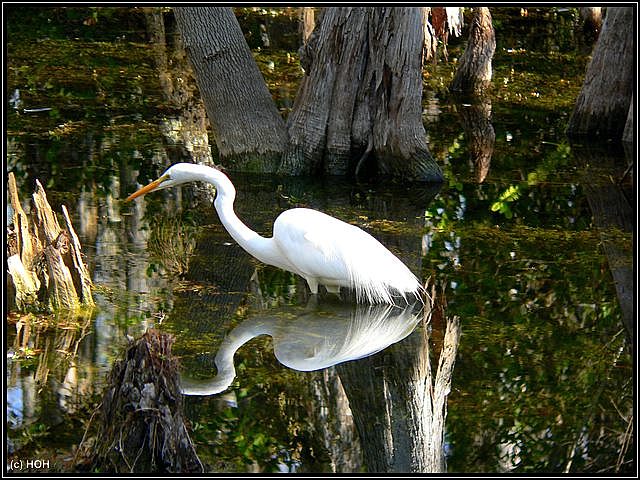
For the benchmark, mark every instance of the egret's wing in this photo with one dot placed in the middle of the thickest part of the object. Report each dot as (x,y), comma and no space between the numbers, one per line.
(326,248)
(309,240)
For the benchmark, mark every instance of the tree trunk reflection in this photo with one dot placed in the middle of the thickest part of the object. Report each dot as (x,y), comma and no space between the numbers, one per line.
(399,408)
(613,216)
(481,137)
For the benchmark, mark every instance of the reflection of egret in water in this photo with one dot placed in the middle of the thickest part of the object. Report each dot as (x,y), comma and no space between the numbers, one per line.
(314,340)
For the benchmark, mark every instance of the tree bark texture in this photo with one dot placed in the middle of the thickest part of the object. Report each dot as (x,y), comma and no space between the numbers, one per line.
(141,423)
(44,261)
(248,130)
(474,72)
(307,23)
(603,103)
(361,97)
(446,21)
(398,406)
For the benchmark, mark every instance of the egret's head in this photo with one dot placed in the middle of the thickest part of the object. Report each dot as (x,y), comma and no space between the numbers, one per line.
(174,175)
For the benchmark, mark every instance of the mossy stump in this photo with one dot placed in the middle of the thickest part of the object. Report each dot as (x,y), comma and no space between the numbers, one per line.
(141,426)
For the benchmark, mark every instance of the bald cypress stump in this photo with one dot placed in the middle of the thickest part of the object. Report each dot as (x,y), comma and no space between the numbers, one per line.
(44,260)
(474,72)
(359,105)
(141,424)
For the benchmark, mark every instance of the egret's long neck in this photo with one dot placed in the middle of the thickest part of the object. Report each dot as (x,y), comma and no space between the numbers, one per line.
(260,247)
(240,335)
(224,359)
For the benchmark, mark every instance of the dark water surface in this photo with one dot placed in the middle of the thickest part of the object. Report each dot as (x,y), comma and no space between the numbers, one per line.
(527,235)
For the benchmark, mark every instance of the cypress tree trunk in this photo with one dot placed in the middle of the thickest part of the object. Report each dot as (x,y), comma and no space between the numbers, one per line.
(307,20)
(474,72)
(603,103)
(247,127)
(361,97)
(628,134)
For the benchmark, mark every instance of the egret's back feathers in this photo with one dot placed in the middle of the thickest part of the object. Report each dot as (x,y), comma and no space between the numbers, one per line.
(337,253)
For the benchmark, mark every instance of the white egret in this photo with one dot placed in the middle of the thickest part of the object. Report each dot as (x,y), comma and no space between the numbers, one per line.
(321,249)
(313,340)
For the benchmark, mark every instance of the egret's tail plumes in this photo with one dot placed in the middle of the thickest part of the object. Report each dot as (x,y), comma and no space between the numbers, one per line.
(371,328)
(379,279)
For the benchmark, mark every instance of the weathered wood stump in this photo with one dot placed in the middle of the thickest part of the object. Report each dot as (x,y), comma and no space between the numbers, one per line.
(358,107)
(141,427)
(474,72)
(45,270)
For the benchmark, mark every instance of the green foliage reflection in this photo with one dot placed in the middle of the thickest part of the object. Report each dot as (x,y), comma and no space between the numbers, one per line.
(543,358)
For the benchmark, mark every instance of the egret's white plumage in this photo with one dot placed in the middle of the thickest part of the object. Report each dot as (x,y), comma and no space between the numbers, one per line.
(320,248)
(313,340)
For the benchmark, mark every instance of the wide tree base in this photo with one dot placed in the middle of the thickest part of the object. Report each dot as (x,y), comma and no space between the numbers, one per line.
(359,104)
(603,105)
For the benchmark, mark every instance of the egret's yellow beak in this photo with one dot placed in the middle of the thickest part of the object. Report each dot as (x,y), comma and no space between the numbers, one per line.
(149,188)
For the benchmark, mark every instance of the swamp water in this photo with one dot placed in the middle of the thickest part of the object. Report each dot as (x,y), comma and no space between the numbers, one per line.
(521,235)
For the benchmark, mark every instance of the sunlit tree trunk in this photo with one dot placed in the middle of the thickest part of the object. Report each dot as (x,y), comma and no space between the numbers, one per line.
(247,127)
(474,71)
(307,23)
(359,103)
(447,21)
(602,106)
